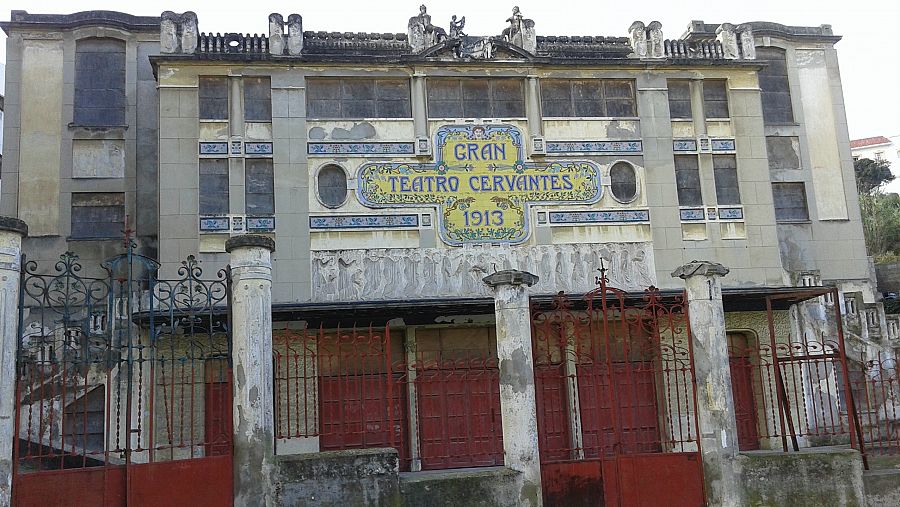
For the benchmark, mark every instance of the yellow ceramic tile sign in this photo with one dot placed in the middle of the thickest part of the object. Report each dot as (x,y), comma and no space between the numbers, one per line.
(480,184)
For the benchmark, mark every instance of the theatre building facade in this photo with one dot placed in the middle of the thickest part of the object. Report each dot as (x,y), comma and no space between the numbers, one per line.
(432,268)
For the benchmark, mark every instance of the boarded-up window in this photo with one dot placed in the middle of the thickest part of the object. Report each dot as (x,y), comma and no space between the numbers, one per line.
(774,86)
(783,152)
(679,99)
(99,83)
(213,186)
(588,98)
(257,99)
(213,98)
(259,187)
(97,215)
(358,98)
(687,179)
(715,98)
(332,186)
(476,98)
(790,202)
(725,173)
(623,181)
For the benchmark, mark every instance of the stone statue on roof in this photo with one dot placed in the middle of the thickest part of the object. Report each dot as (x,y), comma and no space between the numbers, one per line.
(421,33)
(520,31)
(456,27)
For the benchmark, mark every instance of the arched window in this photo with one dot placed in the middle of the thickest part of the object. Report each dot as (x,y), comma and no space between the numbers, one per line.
(331,184)
(623,182)
(99,83)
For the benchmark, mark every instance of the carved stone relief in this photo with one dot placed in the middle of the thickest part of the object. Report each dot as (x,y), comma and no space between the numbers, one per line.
(397,273)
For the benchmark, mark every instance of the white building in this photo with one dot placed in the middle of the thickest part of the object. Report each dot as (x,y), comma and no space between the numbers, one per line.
(880,148)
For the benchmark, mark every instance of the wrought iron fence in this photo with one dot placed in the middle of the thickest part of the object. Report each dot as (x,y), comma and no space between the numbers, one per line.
(374,387)
(876,389)
(613,377)
(121,367)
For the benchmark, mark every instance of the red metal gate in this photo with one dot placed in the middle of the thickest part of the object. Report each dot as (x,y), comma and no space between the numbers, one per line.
(123,387)
(615,391)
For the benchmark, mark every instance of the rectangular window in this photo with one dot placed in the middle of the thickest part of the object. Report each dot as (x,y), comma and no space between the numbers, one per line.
(257,99)
(259,187)
(476,98)
(715,98)
(98,215)
(687,179)
(679,99)
(99,83)
(358,98)
(725,173)
(213,98)
(775,90)
(213,186)
(589,98)
(790,202)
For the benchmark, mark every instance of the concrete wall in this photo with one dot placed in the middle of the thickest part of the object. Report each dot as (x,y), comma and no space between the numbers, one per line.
(486,487)
(809,478)
(882,487)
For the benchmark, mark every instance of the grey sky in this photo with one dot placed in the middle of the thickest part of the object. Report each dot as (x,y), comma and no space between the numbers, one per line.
(868,54)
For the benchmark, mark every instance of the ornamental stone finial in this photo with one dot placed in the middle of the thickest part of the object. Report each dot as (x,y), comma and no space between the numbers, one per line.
(704,268)
(520,31)
(295,34)
(725,34)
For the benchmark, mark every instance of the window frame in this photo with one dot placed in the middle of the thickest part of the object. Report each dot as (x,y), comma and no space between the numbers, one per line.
(721,170)
(318,194)
(699,187)
(82,75)
(798,184)
(74,196)
(247,193)
(604,99)
(707,100)
(766,80)
(244,82)
(376,99)
(491,100)
(637,183)
(687,83)
(200,98)
(226,199)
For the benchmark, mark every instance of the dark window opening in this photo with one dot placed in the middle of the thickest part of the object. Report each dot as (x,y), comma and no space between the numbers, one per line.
(680,99)
(476,98)
(775,90)
(358,98)
(98,215)
(259,187)
(725,174)
(623,181)
(588,98)
(715,98)
(257,99)
(214,186)
(99,83)
(790,202)
(213,98)
(332,186)
(687,180)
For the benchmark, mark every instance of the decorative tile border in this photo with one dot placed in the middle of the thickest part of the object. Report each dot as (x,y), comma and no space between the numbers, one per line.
(360,148)
(258,148)
(219,148)
(363,221)
(599,217)
(594,146)
(731,213)
(236,147)
(692,214)
(261,224)
(214,224)
(722,145)
(684,145)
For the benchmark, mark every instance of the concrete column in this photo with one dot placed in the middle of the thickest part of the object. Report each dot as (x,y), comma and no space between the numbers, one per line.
(518,407)
(715,404)
(412,399)
(533,107)
(253,409)
(12,230)
(420,113)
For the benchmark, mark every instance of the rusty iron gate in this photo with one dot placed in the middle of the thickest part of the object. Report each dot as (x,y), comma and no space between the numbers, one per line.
(614,376)
(124,392)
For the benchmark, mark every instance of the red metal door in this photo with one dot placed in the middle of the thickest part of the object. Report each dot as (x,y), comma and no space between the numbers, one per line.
(219,420)
(459,411)
(744,403)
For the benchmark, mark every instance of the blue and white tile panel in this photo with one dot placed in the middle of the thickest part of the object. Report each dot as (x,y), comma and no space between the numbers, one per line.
(364,221)
(722,144)
(594,147)
(261,224)
(257,148)
(215,224)
(684,145)
(690,145)
(692,214)
(377,149)
(236,223)
(711,213)
(214,148)
(599,217)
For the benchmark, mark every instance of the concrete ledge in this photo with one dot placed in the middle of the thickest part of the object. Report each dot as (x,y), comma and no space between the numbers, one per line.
(882,487)
(472,487)
(13,225)
(810,478)
(363,477)
(250,240)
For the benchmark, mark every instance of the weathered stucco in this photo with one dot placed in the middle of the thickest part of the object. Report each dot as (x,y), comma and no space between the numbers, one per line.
(811,478)
(10,250)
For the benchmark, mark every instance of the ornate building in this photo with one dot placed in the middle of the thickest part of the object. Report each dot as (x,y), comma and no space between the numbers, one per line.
(401,175)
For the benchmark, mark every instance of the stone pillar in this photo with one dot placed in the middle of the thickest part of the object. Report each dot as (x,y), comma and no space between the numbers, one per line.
(12,230)
(533,107)
(715,403)
(518,406)
(253,409)
(420,116)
